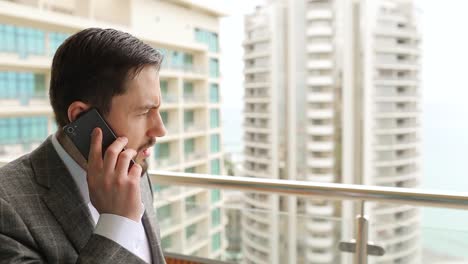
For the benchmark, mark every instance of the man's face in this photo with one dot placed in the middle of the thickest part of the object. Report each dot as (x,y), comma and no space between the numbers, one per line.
(135,114)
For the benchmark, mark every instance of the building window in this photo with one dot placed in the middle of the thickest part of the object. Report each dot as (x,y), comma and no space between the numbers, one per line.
(22,86)
(214,118)
(189,146)
(214,93)
(190,231)
(215,195)
(23,130)
(214,68)
(215,167)
(189,118)
(164,212)
(188,62)
(166,242)
(188,91)
(164,117)
(162,151)
(216,241)
(55,40)
(190,170)
(22,40)
(190,203)
(214,143)
(208,38)
(216,217)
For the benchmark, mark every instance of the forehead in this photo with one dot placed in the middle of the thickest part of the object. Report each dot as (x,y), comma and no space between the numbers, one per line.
(143,88)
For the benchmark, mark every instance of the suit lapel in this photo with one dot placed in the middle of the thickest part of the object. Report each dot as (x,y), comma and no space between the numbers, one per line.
(149,220)
(63,197)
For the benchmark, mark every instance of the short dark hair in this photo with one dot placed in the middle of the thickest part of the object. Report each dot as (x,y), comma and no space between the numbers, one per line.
(93,65)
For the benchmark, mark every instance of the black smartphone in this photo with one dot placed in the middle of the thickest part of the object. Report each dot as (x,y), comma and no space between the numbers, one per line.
(79,132)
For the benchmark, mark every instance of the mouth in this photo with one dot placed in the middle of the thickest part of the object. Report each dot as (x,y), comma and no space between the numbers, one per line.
(146,150)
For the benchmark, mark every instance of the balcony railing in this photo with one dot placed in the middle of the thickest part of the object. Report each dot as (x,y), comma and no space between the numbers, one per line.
(329,191)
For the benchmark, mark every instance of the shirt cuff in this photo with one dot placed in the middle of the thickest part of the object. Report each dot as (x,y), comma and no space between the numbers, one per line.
(122,230)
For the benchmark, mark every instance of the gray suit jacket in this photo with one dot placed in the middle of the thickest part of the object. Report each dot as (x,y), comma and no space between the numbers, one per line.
(44,219)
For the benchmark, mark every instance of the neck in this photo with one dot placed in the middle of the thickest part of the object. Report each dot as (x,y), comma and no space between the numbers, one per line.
(70,148)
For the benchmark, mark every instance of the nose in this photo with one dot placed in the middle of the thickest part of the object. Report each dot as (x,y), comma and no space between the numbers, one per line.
(157,127)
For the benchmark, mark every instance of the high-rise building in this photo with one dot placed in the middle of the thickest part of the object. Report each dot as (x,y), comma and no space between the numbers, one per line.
(187,33)
(331,95)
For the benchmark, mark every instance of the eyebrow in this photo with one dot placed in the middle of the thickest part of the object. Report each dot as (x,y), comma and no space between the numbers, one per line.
(148,106)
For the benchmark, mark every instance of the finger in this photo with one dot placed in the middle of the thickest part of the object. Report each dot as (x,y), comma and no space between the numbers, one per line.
(135,171)
(112,153)
(123,162)
(95,150)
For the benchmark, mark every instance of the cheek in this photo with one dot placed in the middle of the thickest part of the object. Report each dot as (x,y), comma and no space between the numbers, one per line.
(136,133)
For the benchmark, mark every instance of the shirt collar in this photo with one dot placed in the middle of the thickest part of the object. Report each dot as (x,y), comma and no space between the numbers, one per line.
(78,174)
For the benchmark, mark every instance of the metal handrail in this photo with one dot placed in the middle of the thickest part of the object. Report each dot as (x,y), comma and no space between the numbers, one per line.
(334,191)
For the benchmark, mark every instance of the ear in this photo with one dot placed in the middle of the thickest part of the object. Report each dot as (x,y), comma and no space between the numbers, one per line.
(76,108)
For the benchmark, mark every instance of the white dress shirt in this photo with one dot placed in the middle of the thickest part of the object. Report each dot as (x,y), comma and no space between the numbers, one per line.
(124,231)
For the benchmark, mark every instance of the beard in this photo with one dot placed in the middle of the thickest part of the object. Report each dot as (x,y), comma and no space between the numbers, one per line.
(144,162)
(144,166)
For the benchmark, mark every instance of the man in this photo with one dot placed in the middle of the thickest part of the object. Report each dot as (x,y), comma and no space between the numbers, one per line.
(55,207)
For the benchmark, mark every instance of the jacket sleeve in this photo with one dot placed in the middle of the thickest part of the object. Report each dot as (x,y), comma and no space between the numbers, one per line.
(17,246)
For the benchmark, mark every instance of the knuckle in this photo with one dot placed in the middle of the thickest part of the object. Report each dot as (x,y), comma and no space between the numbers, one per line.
(120,182)
(126,155)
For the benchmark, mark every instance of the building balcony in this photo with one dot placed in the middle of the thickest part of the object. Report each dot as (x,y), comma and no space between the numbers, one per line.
(257,114)
(193,99)
(320,177)
(257,99)
(320,81)
(319,31)
(193,128)
(397,227)
(253,256)
(319,14)
(320,242)
(257,54)
(394,179)
(255,128)
(395,81)
(319,64)
(317,146)
(262,144)
(195,156)
(170,98)
(319,48)
(395,65)
(320,210)
(397,98)
(322,257)
(321,130)
(255,242)
(261,37)
(256,173)
(398,49)
(320,97)
(397,33)
(256,69)
(165,162)
(320,162)
(320,113)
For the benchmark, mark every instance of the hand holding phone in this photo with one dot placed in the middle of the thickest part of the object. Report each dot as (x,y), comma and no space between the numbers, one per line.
(113,182)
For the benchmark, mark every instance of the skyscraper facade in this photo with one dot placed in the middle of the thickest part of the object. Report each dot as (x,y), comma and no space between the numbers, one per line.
(192,220)
(331,95)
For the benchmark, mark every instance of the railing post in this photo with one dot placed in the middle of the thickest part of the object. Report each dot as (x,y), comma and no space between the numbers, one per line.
(361,247)
(362,236)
